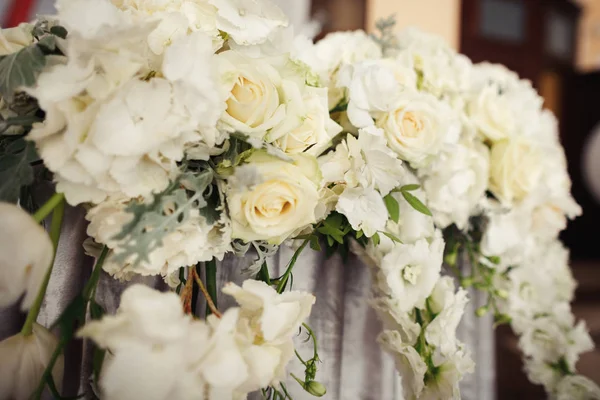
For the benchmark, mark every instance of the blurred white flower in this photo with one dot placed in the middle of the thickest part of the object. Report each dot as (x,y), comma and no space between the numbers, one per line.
(26,252)
(14,39)
(248,21)
(448,372)
(24,360)
(577,387)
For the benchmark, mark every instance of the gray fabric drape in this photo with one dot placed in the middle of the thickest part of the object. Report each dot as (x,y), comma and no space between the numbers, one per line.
(353,367)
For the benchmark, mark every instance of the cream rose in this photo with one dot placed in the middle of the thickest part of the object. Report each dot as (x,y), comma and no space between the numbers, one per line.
(283,203)
(258,98)
(14,39)
(515,169)
(418,127)
(491,114)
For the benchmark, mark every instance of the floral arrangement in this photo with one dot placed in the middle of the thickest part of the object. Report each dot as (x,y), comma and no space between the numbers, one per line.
(195,129)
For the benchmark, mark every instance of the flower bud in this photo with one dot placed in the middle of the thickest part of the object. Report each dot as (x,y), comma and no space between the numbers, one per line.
(481,311)
(315,388)
(24,360)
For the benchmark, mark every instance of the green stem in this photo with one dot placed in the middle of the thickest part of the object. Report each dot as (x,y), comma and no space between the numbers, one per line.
(57,218)
(66,336)
(283,280)
(47,208)
(91,284)
(211,282)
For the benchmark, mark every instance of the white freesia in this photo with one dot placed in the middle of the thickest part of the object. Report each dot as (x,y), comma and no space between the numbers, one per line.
(577,387)
(371,88)
(410,271)
(515,169)
(14,39)
(364,208)
(409,363)
(449,371)
(418,126)
(391,313)
(282,204)
(25,256)
(248,21)
(24,360)
(193,241)
(455,183)
(449,308)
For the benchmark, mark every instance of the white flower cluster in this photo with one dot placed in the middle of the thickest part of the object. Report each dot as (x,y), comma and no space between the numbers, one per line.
(166,354)
(468,141)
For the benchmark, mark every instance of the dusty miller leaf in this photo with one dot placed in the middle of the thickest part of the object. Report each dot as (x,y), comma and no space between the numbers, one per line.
(20,69)
(154,220)
(15,168)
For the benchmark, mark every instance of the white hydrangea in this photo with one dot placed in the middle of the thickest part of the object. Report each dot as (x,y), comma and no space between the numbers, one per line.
(111,131)
(577,387)
(364,208)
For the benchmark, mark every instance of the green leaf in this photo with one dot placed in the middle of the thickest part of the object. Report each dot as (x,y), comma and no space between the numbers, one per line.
(391,236)
(97,361)
(416,203)
(15,168)
(20,69)
(96,310)
(359,234)
(393,207)
(314,243)
(410,188)
(376,239)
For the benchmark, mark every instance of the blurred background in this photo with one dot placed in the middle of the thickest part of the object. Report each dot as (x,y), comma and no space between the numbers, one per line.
(553,43)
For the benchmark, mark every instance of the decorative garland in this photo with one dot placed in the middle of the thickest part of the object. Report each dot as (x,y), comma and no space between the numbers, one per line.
(193,129)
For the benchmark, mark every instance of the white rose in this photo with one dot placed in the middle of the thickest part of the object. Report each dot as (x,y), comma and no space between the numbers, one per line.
(259,99)
(25,255)
(515,169)
(491,114)
(282,204)
(410,271)
(418,126)
(24,360)
(316,129)
(14,39)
